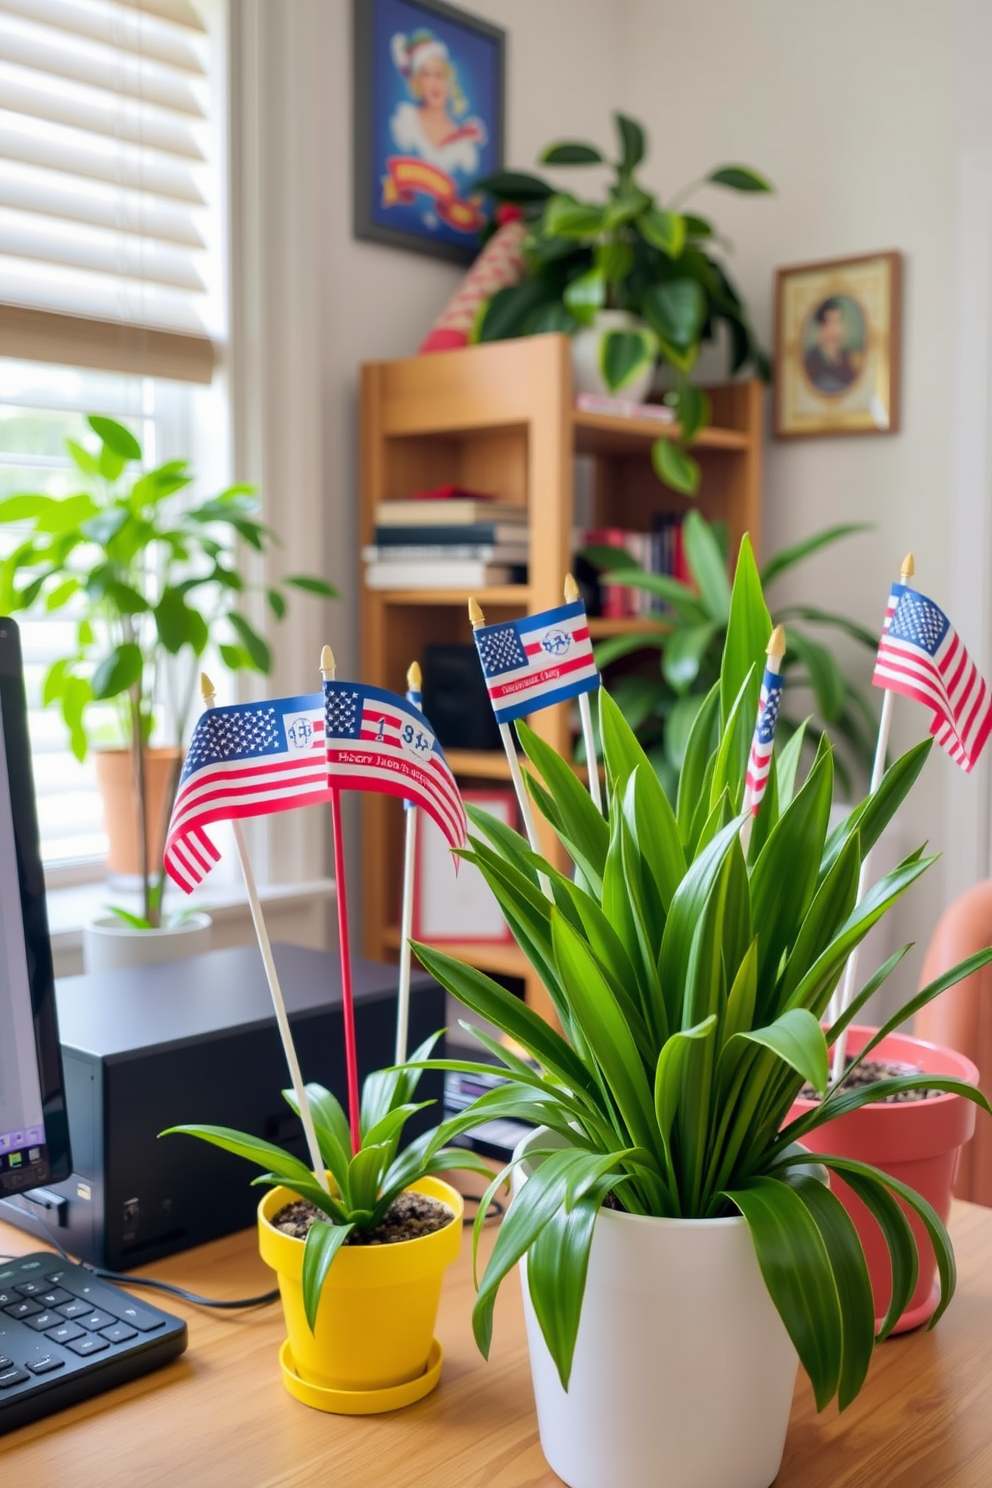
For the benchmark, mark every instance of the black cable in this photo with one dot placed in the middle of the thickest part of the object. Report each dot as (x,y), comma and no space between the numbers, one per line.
(494,1211)
(146,1281)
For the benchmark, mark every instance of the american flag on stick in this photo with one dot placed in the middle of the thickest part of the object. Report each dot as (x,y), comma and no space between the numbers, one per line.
(530,664)
(760,759)
(377,741)
(922,656)
(245,760)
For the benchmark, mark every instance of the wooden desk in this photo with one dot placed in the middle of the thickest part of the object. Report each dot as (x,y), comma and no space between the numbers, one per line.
(220,1416)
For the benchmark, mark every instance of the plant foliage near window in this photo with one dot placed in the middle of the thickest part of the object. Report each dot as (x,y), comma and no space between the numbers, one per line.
(691,979)
(629,252)
(150,579)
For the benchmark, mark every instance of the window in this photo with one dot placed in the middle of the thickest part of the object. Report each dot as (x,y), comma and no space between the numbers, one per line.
(112,284)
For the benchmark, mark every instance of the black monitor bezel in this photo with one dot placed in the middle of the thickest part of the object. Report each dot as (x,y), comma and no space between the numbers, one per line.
(34,912)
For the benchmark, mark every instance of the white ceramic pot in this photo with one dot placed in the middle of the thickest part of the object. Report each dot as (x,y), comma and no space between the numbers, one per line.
(109,945)
(586,374)
(683,1373)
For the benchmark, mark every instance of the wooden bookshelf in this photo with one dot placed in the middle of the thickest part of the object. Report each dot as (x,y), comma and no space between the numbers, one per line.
(500,418)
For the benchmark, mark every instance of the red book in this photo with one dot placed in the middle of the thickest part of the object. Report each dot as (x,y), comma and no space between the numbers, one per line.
(615,598)
(451,493)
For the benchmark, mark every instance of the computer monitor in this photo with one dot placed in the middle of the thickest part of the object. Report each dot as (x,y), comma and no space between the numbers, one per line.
(34,1132)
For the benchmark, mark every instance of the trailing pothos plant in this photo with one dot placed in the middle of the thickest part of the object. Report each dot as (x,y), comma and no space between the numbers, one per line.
(692,978)
(661,705)
(365,1182)
(633,252)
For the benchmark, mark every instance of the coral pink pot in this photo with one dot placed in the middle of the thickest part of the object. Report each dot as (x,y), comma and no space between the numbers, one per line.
(916,1141)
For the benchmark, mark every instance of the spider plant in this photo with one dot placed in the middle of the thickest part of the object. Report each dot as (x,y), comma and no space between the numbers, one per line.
(691,977)
(366,1182)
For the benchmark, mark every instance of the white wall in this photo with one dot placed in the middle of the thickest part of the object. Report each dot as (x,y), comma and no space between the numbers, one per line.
(861,114)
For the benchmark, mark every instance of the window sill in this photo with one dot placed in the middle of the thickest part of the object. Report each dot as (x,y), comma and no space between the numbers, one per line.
(297,912)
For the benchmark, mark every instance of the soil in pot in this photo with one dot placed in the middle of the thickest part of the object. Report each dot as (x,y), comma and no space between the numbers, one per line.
(870,1072)
(411,1216)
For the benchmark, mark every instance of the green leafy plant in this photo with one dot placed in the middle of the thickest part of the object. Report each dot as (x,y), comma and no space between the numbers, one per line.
(150,580)
(691,978)
(629,252)
(662,707)
(365,1183)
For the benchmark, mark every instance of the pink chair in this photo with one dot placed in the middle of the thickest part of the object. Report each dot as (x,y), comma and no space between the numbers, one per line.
(961,1019)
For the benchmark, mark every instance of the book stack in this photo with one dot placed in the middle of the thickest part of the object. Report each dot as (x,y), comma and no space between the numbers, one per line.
(660,552)
(447,539)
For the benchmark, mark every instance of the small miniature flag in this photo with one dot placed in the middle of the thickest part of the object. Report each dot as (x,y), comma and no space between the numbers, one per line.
(246,760)
(416,697)
(376,741)
(530,664)
(760,759)
(922,656)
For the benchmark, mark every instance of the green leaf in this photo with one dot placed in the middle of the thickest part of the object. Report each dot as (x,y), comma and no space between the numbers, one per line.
(674,467)
(83,460)
(582,825)
(24,508)
(795,1264)
(663,230)
(322,1244)
(235,658)
(870,818)
(557,1265)
(623,356)
(515,186)
(697,754)
(632,142)
(694,410)
(825,676)
(276,603)
(797,1038)
(253,1149)
(564,217)
(748,630)
(111,463)
(739,178)
(173,621)
(670,1071)
(64,515)
(788,557)
(707,566)
(676,309)
(118,671)
(585,295)
(115,437)
(570,152)
(310,584)
(257,649)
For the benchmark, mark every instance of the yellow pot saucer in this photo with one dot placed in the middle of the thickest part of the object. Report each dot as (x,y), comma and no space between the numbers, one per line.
(361,1402)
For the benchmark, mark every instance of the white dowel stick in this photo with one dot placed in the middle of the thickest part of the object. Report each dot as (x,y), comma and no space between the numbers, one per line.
(478,619)
(774,652)
(413,682)
(585,717)
(272,976)
(839,1005)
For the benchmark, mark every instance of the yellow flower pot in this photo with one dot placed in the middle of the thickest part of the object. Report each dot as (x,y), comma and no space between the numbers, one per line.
(373,1347)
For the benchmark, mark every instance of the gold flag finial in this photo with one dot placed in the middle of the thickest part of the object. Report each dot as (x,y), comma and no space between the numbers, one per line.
(328,666)
(207,690)
(475,614)
(413,677)
(908,568)
(571,588)
(776,645)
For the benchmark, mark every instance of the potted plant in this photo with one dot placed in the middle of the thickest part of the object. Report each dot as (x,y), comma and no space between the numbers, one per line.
(661,705)
(359,1267)
(680,1250)
(150,580)
(634,282)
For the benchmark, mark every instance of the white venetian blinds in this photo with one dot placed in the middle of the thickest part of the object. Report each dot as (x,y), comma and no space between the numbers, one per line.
(103,140)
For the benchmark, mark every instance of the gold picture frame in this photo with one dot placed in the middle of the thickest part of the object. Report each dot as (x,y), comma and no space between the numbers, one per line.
(837,338)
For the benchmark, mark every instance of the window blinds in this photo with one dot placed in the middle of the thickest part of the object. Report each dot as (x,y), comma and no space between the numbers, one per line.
(102,207)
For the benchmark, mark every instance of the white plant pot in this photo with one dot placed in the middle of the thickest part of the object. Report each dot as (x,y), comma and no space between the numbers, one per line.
(683,1373)
(109,945)
(586,374)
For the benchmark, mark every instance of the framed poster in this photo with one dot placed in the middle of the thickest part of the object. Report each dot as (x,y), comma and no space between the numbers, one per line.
(837,331)
(428,124)
(449,906)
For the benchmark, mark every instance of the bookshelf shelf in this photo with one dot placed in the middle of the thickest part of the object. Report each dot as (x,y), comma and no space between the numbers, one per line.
(500,418)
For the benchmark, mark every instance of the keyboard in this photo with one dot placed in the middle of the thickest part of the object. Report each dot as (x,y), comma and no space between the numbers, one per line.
(65,1335)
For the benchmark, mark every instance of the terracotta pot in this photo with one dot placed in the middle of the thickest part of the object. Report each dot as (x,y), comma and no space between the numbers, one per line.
(918,1142)
(115,777)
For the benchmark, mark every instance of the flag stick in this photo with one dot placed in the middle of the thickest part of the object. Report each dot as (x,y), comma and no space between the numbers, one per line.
(478,619)
(272,976)
(327,671)
(774,652)
(838,1007)
(413,682)
(585,715)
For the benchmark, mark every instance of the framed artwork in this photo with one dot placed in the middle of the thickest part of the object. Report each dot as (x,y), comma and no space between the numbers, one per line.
(449,906)
(428,124)
(837,328)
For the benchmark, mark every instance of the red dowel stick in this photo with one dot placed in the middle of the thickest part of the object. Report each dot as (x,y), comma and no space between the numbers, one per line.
(347,999)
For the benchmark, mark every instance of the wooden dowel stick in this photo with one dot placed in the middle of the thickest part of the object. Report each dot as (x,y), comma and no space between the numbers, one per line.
(585,717)
(272,976)
(327,671)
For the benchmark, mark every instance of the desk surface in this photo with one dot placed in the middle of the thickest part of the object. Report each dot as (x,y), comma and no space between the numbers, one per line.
(220,1415)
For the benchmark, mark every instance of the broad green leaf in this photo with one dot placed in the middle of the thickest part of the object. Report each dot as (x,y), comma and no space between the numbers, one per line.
(676,309)
(632,142)
(614,258)
(253,1149)
(687,908)
(173,621)
(655,831)
(684,651)
(669,1073)
(797,1038)
(557,1264)
(663,229)
(585,295)
(832,903)
(256,648)
(748,630)
(872,816)
(567,218)
(623,356)
(676,594)
(786,765)
(739,178)
(515,186)
(82,458)
(697,754)
(311,584)
(694,410)
(570,152)
(115,437)
(582,824)
(118,671)
(674,467)
(795,1264)
(322,1244)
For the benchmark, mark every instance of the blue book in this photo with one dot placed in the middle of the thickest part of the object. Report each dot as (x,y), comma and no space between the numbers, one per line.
(470,535)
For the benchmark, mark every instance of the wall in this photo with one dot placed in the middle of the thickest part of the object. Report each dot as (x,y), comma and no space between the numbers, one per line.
(864,116)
